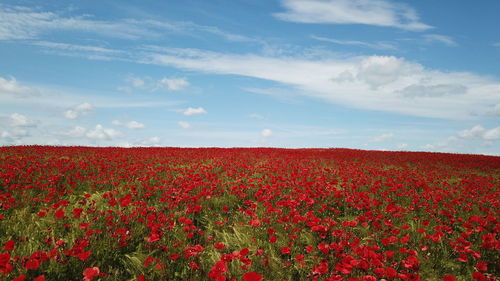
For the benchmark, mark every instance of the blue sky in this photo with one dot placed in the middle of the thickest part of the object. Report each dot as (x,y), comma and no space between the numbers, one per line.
(379,74)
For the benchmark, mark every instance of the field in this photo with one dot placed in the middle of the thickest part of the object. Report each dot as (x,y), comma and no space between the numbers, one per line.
(73,213)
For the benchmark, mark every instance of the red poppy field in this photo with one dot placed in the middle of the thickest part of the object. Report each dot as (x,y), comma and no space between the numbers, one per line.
(80,213)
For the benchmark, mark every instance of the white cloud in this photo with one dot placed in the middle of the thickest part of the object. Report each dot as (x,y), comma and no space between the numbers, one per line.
(18,22)
(444,145)
(383,83)
(12,87)
(78,111)
(16,128)
(76,48)
(382,70)
(136,82)
(266,133)
(496,110)
(75,132)
(147,83)
(383,137)
(133,125)
(402,146)
(14,133)
(19,120)
(496,44)
(256,116)
(148,142)
(479,132)
(184,124)
(440,90)
(26,23)
(174,84)
(101,133)
(447,40)
(152,141)
(194,111)
(493,134)
(376,45)
(475,132)
(372,12)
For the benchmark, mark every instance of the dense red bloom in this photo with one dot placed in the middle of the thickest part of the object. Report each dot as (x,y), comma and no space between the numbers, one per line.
(90,273)
(193,265)
(218,270)
(219,245)
(344,214)
(449,277)
(255,222)
(244,251)
(154,237)
(322,268)
(59,214)
(193,251)
(9,245)
(349,223)
(252,276)
(5,265)
(77,212)
(32,264)
(141,278)
(478,276)
(21,277)
(482,266)
(40,278)
(285,250)
(84,255)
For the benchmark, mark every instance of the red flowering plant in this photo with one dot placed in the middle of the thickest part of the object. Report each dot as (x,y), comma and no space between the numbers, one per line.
(73,213)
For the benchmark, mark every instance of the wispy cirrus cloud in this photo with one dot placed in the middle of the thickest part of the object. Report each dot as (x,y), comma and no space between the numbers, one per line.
(152,85)
(376,45)
(438,38)
(29,23)
(383,83)
(373,12)
(18,22)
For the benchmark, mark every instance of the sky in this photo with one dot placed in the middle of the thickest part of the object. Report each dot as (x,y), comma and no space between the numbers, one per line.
(366,74)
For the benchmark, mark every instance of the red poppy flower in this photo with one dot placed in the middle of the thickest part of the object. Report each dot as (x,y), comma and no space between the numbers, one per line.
(59,214)
(9,245)
(449,277)
(5,265)
(77,212)
(219,246)
(40,278)
(90,273)
(285,250)
(255,222)
(252,276)
(83,255)
(21,277)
